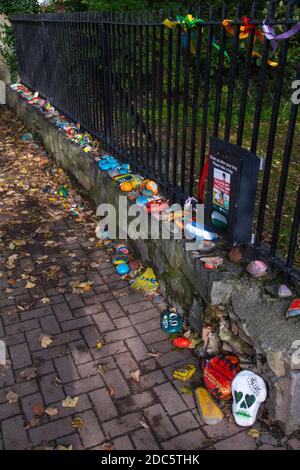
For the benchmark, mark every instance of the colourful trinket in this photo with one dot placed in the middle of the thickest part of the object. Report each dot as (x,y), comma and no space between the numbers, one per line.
(171,322)
(182,343)
(185,373)
(294,309)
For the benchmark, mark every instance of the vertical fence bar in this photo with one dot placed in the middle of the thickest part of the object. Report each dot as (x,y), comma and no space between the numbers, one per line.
(176,110)
(284,172)
(220,75)
(140,45)
(134,88)
(169,102)
(147,95)
(153,99)
(247,74)
(272,135)
(195,108)
(187,59)
(233,73)
(129,80)
(262,84)
(206,92)
(160,93)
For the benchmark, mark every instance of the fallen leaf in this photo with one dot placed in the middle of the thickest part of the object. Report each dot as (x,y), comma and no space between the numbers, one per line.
(30,285)
(51,411)
(19,242)
(99,345)
(45,341)
(45,300)
(70,447)
(107,446)
(77,422)
(135,375)
(29,373)
(145,425)
(187,390)
(33,423)
(101,369)
(11,397)
(38,409)
(254,433)
(154,354)
(111,391)
(69,402)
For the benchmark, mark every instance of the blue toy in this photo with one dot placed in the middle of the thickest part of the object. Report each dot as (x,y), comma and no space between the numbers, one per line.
(122,269)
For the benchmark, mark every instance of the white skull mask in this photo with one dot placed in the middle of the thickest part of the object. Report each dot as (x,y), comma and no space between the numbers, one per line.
(248,391)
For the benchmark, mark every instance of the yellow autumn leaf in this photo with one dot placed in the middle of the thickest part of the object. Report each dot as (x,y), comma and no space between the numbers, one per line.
(30,285)
(45,341)
(69,402)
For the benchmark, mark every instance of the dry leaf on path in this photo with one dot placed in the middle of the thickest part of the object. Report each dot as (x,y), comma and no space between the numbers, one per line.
(30,285)
(135,375)
(64,447)
(111,391)
(11,397)
(45,300)
(33,423)
(107,446)
(51,411)
(77,422)
(45,341)
(145,425)
(38,409)
(29,373)
(254,433)
(154,354)
(69,402)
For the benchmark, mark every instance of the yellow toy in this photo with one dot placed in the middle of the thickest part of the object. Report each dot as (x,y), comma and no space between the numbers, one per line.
(186,373)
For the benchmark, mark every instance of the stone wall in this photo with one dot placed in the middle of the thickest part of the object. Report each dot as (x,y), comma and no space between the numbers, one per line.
(230,310)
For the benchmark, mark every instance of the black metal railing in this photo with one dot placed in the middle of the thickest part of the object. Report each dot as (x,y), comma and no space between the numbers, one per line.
(155,95)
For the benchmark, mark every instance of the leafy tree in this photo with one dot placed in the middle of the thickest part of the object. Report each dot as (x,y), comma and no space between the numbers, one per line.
(7,40)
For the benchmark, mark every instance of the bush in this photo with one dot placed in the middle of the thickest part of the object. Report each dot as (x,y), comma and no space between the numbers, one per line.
(7,40)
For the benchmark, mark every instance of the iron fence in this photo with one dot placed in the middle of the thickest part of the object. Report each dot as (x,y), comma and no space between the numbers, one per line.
(156,94)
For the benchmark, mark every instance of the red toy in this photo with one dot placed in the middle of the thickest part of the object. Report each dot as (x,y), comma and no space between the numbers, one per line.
(182,343)
(219,373)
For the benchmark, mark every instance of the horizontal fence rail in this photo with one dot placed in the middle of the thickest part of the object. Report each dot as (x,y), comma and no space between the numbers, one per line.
(155,95)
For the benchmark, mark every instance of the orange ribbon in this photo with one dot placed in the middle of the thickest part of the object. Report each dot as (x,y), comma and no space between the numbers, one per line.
(244,30)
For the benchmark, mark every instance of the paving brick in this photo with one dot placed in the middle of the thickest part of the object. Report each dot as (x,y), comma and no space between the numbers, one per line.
(113,309)
(126,363)
(50,431)
(28,404)
(49,324)
(170,398)
(103,322)
(138,307)
(122,334)
(115,380)
(150,380)
(221,430)
(66,369)
(138,349)
(155,336)
(80,352)
(193,440)
(88,310)
(131,299)
(66,337)
(103,404)
(14,434)
(118,426)
(7,410)
(76,324)
(14,339)
(240,441)
(122,443)
(91,335)
(62,312)
(20,327)
(143,439)
(97,299)
(20,356)
(140,317)
(185,422)
(74,301)
(83,404)
(160,423)
(174,357)
(71,440)
(294,444)
(50,391)
(90,368)
(90,433)
(84,385)
(136,402)
(109,350)
(33,339)
(36,313)
(122,322)
(22,389)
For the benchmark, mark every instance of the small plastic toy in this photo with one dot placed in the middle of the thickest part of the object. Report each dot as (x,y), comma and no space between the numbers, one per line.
(152,186)
(119,259)
(123,269)
(171,322)
(126,186)
(62,192)
(182,343)
(185,373)
(294,309)
(122,249)
(159,205)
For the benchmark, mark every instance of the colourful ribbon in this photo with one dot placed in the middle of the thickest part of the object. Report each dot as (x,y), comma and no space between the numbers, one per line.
(189,22)
(270,33)
(244,30)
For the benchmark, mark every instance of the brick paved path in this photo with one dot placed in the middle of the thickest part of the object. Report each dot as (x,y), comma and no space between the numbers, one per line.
(151,414)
